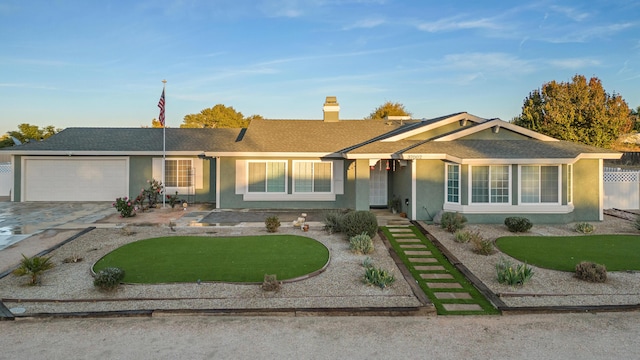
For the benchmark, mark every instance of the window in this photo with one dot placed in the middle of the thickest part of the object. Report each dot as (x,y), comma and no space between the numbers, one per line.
(453,183)
(490,184)
(312,177)
(539,184)
(178,173)
(267,176)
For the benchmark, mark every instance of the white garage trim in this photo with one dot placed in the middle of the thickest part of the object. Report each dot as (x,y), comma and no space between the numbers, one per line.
(77,178)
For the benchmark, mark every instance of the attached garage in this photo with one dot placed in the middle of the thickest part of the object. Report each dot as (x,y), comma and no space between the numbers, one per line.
(75,178)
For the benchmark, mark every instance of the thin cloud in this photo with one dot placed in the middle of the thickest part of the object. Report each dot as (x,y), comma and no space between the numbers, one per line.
(571,13)
(458,23)
(486,62)
(574,63)
(365,24)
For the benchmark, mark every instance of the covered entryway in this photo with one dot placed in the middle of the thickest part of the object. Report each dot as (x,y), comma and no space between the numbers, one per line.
(378,184)
(74,178)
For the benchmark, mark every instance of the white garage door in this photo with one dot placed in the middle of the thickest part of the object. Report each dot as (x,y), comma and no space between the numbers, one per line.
(75,179)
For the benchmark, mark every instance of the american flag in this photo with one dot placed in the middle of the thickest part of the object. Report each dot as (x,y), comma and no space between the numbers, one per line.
(161,106)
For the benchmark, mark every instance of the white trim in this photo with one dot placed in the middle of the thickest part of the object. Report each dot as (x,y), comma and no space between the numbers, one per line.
(331,108)
(435,125)
(495,122)
(569,183)
(414,166)
(289,197)
(217,182)
(506,209)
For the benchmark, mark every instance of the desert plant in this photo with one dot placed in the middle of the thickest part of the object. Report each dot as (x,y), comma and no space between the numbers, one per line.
(332,221)
(584,228)
(378,277)
(34,267)
(272,223)
(462,236)
(591,271)
(513,275)
(271,283)
(481,245)
(518,224)
(367,262)
(357,222)
(452,221)
(361,244)
(108,278)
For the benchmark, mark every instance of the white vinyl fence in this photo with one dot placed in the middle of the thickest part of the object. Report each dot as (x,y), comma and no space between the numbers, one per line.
(6,180)
(621,189)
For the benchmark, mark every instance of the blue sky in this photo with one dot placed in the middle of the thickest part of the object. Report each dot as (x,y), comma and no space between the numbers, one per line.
(100,63)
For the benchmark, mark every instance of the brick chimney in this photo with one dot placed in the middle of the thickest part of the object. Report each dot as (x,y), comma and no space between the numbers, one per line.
(331,109)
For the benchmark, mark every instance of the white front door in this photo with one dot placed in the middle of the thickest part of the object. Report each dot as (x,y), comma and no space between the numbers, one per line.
(378,185)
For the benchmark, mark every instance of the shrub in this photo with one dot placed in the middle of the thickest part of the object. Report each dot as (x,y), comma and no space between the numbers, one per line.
(361,244)
(637,223)
(462,236)
(34,267)
(173,200)
(108,278)
(367,262)
(584,228)
(513,275)
(75,258)
(357,222)
(125,207)
(518,224)
(270,283)
(332,220)
(272,223)
(378,277)
(481,245)
(590,271)
(452,221)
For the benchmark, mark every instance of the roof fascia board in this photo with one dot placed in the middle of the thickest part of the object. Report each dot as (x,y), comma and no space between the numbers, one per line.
(492,123)
(443,122)
(273,154)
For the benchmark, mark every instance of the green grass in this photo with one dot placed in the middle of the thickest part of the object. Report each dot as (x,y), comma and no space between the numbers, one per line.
(616,252)
(467,286)
(233,259)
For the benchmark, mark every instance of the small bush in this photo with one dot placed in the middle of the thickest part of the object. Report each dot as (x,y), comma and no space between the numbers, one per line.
(481,245)
(272,223)
(518,224)
(75,258)
(462,236)
(592,272)
(367,262)
(452,221)
(332,220)
(108,278)
(125,206)
(34,267)
(378,277)
(357,222)
(361,244)
(513,275)
(271,283)
(584,228)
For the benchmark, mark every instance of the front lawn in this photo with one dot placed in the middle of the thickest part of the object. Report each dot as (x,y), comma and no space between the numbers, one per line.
(616,252)
(233,259)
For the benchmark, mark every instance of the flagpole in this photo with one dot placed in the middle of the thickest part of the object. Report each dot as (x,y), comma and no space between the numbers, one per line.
(164,148)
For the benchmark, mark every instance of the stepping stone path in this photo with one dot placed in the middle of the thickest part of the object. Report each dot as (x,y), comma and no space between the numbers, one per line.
(445,291)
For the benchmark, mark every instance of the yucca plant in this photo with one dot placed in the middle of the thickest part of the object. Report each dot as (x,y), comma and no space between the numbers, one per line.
(34,267)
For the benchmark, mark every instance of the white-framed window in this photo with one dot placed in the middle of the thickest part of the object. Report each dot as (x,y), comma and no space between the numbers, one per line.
(178,173)
(490,184)
(452,180)
(312,176)
(570,184)
(540,184)
(267,176)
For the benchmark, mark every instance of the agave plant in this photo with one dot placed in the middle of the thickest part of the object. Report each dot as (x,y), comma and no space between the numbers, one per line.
(34,267)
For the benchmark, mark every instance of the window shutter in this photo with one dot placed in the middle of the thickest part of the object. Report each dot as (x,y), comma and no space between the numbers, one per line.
(338,177)
(156,172)
(199,169)
(241,176)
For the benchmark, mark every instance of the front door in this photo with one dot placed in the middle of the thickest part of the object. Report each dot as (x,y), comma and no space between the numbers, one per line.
(378,185)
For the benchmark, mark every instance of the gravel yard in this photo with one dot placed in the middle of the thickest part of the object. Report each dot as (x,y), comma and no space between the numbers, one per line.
(547,287)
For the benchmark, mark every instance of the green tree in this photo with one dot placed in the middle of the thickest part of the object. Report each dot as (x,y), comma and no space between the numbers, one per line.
(577,111)
(28,132)
(635,117)
(219,116)
(388,109)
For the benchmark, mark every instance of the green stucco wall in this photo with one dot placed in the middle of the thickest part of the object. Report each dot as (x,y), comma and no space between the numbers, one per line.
(400,186)
(429,188)
(439,131)
(586,192)
(488,134)
(17,180)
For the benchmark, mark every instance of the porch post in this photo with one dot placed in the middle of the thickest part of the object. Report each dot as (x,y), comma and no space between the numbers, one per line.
(362,184)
